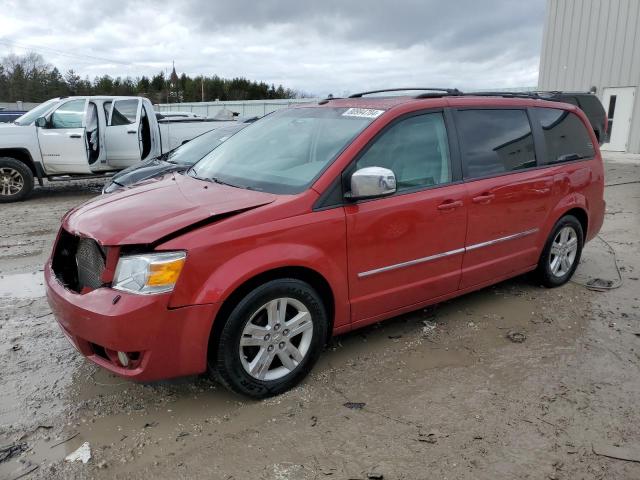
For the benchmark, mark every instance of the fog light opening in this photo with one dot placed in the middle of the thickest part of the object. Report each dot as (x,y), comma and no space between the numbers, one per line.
(123,358)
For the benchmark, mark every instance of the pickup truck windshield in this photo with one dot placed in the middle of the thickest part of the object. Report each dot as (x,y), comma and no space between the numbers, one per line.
(36,112)
(286,151)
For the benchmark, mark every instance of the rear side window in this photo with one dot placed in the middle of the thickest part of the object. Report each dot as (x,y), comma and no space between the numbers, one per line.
(495,141)
(565,136)
(124,112)
(416,149)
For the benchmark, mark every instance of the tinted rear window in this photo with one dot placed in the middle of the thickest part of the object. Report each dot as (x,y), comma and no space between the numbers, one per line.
(565,136)
(590,104)
(495,141)
(571,100)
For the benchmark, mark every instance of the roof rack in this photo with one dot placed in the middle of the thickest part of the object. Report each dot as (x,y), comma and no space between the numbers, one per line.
(447,91)
(441,92)
(535,94)
(505,94)
(328,99)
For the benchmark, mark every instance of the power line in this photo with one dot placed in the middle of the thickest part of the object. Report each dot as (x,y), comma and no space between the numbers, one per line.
(35,48)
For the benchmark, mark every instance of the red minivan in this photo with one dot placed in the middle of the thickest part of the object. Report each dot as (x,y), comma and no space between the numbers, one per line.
(319,219)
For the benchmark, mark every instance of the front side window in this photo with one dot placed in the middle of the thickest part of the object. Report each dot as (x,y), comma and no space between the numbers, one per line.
(495,141)
(68,115)
(125,112)
(565,136)
(285,151)
(416,150)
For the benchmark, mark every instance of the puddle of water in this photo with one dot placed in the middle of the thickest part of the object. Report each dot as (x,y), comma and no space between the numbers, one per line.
(41,453)
(168,427)
(22,285)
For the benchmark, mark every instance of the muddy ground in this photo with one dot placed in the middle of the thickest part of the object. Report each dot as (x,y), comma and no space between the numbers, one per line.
(440,393)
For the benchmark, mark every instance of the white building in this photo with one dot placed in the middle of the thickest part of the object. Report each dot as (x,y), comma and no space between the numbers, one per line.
(595,44)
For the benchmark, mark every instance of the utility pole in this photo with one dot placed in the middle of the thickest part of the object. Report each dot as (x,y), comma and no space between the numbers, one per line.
(202,88)
(166,83)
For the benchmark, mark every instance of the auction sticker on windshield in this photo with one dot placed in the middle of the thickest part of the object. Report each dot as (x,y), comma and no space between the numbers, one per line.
(363,112)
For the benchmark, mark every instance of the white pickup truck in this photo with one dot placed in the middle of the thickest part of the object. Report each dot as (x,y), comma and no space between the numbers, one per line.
(86,137)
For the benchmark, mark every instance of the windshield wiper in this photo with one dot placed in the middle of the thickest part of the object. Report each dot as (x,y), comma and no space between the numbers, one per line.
(194,174)
(222,182)
(165,157)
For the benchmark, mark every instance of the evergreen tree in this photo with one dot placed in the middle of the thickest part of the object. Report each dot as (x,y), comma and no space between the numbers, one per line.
(143,86)
(29,78)
(73,81)
(103,85)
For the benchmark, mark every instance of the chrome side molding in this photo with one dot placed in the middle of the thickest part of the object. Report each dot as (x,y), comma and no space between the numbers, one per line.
(502,239)
(411,262)
(448,253)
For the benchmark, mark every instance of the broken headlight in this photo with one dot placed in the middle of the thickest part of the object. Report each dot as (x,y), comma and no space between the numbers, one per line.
(149,273)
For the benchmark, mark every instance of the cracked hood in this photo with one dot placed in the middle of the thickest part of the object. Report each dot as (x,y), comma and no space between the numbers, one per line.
(144,214)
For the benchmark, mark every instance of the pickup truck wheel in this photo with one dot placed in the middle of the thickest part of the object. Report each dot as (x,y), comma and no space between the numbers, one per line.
(271,339)
(16,180)
(561,253)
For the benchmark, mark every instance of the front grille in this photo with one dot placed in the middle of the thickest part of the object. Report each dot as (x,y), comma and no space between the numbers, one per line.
(90,262)
(78,262)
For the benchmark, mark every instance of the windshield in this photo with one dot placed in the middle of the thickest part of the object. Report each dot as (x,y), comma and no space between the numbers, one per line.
(192,151)
(284,152)
(36,112)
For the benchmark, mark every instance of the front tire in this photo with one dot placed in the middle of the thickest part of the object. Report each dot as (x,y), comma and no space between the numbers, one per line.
(16,180)
(271,339)
(561,253)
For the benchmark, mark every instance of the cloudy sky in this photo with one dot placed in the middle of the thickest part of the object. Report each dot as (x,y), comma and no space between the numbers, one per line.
(319,47)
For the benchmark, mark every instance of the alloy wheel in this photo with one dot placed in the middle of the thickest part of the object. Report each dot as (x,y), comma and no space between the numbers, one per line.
(276,339)
(563,251)
(11,181)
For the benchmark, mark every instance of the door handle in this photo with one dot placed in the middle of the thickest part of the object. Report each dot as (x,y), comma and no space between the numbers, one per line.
(132,131)
(450,205)
(75,135)
(484,198)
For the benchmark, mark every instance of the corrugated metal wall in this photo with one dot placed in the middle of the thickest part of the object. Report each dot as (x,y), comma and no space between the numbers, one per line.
(590,43)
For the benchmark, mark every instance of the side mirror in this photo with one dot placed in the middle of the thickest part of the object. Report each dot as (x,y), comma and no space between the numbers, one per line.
(371,182)
(41,122)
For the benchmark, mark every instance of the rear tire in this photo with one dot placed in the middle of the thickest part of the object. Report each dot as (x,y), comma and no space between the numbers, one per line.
(561,253)
(16,180)
(271,339)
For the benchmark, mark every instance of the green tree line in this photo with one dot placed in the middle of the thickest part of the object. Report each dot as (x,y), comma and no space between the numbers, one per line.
(31,79)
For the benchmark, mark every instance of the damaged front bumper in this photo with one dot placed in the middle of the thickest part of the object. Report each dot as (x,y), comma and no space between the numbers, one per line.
(159,342)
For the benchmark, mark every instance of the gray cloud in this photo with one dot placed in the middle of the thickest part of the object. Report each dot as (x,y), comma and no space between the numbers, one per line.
(388,23)
(319,47)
